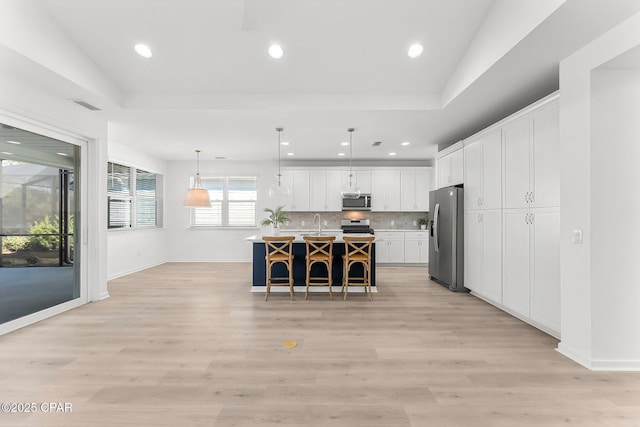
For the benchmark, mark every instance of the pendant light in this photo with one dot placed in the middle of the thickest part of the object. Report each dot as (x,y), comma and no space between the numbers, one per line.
(350,189)
(278,189)
(197,196)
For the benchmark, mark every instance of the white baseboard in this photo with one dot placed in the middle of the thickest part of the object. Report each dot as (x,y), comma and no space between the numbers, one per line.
(134,270)
(617,365)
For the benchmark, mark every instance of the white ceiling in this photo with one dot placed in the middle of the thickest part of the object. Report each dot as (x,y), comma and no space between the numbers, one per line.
(211,85)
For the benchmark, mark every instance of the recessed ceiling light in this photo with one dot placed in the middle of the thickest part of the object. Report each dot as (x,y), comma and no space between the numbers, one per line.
(415,50)
(405,143)
(341,154)
(275,51)
(289,154)
(143,50)
(345,143)
(5,152)
(392,154)
(14,142)
(220,158)
(284,143)
(62,154)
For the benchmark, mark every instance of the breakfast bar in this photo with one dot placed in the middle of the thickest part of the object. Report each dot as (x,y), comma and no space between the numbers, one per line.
(299,264)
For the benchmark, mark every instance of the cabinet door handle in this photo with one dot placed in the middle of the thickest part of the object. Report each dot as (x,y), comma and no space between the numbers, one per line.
(526,218)
(532,198)
(526,199)
(531,218)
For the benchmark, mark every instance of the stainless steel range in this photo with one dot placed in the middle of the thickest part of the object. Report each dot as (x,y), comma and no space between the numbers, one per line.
(356,226)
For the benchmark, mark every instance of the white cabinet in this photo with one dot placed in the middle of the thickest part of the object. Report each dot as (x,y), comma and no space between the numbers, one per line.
(416,247)
(451,169)
(298,183)
(385,190)
(324,190)
(532,265)
(531,168)
(483,172)
(362,179)
(483,253)
(415,186)
(389,247)
(545,288)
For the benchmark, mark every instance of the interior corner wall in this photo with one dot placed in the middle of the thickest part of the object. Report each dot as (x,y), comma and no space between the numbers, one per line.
(129,251)
(615,208)
(581,282)
(212,245)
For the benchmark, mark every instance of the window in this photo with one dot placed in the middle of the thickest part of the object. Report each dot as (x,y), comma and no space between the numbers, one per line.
(134,197)
(233,203)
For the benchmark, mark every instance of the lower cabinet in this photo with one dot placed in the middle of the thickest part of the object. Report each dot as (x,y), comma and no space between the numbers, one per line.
(483,253)
(390,247)
(532,265)
(416,247)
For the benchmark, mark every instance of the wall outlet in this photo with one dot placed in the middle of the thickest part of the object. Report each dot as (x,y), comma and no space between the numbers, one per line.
(302,223)
(325,222)
(393,223)
(415,222)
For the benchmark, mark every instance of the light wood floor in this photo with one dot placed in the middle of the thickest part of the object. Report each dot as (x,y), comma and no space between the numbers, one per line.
(189,345)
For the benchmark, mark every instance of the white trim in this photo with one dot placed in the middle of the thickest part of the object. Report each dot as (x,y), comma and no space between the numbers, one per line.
(450,149)
(536,106)
(30,319)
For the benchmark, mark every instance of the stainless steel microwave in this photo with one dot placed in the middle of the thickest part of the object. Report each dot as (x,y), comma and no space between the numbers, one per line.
(362,203)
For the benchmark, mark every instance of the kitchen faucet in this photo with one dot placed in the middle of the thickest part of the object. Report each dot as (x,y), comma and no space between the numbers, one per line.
(316,217)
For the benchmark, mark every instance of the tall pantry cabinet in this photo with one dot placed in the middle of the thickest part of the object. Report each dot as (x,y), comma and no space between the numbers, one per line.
(482,216)
(526,222)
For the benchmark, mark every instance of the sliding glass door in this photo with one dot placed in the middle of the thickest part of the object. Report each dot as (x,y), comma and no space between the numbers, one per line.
(39,214)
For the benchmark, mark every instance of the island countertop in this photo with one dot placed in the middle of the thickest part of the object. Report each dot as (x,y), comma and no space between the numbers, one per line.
(257,238)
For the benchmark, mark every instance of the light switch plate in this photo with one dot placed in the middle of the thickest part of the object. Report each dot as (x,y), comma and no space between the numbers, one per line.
(577,237)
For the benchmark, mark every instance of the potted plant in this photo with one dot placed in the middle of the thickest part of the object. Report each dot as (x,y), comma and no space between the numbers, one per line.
(276,217)
(424,222)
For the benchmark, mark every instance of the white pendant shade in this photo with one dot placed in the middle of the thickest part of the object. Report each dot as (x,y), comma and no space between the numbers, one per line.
(197,197)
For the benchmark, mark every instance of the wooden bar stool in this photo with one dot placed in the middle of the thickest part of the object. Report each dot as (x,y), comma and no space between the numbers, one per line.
(357,251)
(319,251)
(279,249)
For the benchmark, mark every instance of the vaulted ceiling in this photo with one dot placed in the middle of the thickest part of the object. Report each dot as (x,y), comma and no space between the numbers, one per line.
(210,83)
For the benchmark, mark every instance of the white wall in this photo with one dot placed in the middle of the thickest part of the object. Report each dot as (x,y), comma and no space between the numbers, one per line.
(129,251)
(588,317)
(615,209)
(211,244)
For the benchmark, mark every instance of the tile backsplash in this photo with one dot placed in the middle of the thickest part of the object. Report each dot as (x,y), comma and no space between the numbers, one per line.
(379,220)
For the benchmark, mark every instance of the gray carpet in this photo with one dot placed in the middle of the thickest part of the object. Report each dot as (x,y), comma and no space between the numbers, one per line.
(30,289)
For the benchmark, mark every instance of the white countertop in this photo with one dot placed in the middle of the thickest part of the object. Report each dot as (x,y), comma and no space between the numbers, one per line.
(298,235)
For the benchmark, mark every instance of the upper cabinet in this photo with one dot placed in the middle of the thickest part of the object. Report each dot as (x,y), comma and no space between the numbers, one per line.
(415,186)
(385,190)
(451,168)
(324,187)
(483,172)
(531,169)
(298,183)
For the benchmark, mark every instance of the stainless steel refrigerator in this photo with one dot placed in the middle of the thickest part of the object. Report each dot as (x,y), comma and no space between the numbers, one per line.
(446,243)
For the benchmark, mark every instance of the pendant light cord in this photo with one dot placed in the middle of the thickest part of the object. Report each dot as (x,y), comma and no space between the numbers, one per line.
(279,147)
(350,157)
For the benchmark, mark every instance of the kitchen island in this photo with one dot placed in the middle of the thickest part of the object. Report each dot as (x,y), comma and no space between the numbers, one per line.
(299,265)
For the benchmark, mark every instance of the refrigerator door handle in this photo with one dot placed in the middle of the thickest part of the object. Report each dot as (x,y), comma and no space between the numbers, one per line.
(436,215)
